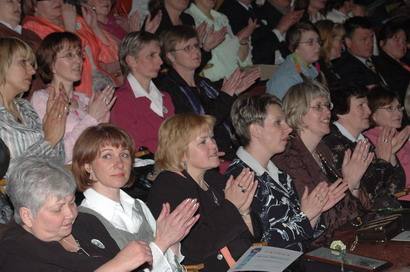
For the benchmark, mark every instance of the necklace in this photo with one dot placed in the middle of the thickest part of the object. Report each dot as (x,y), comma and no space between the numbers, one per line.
(75,245)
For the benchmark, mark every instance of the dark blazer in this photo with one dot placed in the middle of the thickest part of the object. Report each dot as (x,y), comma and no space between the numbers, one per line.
(26,35)
(219,107)
(393,72)
(4,158)
(300,165)
(381,180)
(355,72)
(264,41)
(219,224)
(22,251)
(135,116)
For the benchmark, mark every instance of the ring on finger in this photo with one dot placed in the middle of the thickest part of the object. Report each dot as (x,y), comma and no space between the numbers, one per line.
(59,115)
(243,190)
(385,141)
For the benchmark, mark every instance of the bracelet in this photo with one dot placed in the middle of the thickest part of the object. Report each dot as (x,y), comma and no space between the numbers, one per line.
(244,42)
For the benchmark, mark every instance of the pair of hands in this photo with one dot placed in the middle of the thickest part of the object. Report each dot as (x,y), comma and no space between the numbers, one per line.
(239,81)
(245,33)
(355,165)
(289,20)
(322,198)
(208,37)
(151,23)
(240,190)
(101,103)
(389,142)
(173,226)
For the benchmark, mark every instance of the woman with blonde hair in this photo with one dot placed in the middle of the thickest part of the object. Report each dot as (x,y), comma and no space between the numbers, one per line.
(186,155)
(20,127)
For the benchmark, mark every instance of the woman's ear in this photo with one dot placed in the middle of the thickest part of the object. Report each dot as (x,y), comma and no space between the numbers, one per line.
(254,131)
(88,168)
(26,216)
(131,62)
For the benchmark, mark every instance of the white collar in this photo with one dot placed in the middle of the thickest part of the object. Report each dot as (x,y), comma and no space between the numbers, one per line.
(243,5)
(347,134)
(154,95)
(247,158)
(341,14)
(17,29)
(197,13)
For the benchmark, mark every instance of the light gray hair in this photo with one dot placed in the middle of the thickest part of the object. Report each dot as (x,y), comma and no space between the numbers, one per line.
(32,180)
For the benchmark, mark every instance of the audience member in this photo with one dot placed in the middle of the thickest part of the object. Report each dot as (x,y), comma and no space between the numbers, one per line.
(45,17)
(393,44)
(4,158)
(308,161)
(102,164)
(387,115)
(20,127)
(186,154)
(193,93)
(233,52)
(304,42)
(47,237)
(356,66)
(339,10)
(60,61)
(10,17)
(141,107)
(288,221)
(315,10)
(332,36)
(351,113)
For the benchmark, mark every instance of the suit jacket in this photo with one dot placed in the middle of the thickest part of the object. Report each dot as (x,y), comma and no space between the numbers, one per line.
(393,72)
(135,116)
(381,180)
(354,71)
(299,163)
(264,41)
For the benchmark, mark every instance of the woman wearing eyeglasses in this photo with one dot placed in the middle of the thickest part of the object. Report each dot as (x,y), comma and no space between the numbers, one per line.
(304,42)
(308,161)
(193,93)
(60,61)
(386,117)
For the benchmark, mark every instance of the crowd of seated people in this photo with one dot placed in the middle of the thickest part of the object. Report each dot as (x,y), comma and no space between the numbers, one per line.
(287,159)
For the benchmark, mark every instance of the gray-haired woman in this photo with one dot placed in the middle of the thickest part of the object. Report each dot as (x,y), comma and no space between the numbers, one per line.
(48,236)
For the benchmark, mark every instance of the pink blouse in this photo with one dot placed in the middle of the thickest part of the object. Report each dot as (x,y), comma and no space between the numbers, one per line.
(77,120)
(403,155)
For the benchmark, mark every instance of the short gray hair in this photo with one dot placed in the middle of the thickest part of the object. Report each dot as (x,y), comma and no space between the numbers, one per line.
(296,102)
(32,180)
(131,45)
(248,110)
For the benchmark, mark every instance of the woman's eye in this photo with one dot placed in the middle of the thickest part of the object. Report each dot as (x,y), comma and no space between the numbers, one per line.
(106,156)
(125,155)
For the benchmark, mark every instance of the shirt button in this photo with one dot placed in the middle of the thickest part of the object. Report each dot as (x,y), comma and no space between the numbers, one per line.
(219,256)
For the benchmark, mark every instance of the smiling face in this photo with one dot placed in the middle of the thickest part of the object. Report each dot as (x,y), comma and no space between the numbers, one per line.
(316,121)
(19,74)
(357,119)
(273,134)
(389,115)
(68,64)
(309,47)
(202,153)
(54,220)
(10,11)
(110,169)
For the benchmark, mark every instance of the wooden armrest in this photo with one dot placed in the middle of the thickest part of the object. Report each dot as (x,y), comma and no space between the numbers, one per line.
(194,267)
(260,244)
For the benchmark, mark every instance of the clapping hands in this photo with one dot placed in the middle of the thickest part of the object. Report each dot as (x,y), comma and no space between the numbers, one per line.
(239,81)
(240,190)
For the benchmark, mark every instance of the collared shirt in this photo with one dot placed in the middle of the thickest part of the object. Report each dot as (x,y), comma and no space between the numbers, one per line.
(18,28)
(347,134)
(153,95)
(337,16)
(123,215)
(26,138)
(247,158)
(243,5)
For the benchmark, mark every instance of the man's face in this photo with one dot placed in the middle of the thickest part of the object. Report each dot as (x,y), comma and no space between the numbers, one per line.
(361,43)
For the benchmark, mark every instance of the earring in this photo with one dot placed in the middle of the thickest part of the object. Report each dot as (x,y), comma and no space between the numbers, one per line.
(185,166)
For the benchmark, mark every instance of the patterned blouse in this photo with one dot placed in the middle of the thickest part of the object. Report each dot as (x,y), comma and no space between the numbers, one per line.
(277,206)
(26,138)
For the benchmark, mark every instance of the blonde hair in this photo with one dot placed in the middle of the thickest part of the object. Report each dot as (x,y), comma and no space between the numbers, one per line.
(174,136)
(328,32)
(9,47)
(296,102)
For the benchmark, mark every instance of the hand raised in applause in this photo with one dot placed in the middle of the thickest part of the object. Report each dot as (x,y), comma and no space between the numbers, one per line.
(241,190)
(101,103)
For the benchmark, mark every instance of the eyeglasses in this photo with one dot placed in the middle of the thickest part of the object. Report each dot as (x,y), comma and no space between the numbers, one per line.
(189,48)
(72,55)
(392,108)
(312,42)
(322,107)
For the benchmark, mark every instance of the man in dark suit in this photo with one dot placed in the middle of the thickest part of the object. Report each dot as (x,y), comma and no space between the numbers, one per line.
(274,19)
(356,66)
